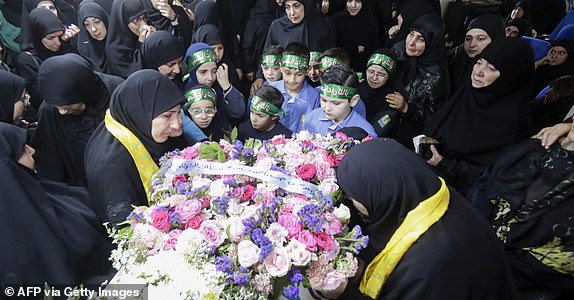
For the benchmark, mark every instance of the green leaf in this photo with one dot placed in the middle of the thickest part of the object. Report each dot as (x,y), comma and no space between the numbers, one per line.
(221,157)
(234,134)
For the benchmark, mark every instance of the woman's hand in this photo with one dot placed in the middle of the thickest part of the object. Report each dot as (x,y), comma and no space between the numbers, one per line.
(325,6)
(165,10)
(70,32)
(550,135)
(145,31)
(436,157)
(223,77)
(255,85)
(397,101)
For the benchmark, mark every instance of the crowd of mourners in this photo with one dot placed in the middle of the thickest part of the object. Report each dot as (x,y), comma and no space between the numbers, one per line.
(473,142)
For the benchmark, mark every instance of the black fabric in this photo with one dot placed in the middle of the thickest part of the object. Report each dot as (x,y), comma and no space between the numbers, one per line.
(182,30)
(477,123)
(546,73)
(525,19)
(113,179)
(246,131)
(122,44)
(66,13)
(410,11)
(256,28)
(461,65)
(313,31)
(61,140)
(12,87)
(159,48)
(48,232)
(43,22)
(450,259)
(423,80)
(526,194)
(354,31)
(88,47)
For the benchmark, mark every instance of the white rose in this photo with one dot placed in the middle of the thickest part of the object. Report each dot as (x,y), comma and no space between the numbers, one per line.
(234,209)
(248,253)
(217,188)
(235,229)
(328,186)
(332,281)
(342,213)
(199,182)
(264,163)
(249,211)
(278,262)
(298,253)
(304,135)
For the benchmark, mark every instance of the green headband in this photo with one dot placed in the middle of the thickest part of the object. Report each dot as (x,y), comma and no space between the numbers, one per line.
(314,56)
(294,62)
(263,106)
(198,94)
(271,60)
(198,58)
(338,91)
(327,62)
(384,61)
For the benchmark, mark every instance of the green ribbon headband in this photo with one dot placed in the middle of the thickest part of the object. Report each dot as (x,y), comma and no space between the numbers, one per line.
(271,60)
(314,56)
(338,91)
(200,57)
(327,62)
(198,94)
(263,106)
(294,62)
(384,61)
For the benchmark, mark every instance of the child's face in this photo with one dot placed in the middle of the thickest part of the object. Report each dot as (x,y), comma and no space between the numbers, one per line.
(335,109)
(313,73)
(261,121)
(293,79)
(202,113)
(271,73)
(207,73)
(377,76)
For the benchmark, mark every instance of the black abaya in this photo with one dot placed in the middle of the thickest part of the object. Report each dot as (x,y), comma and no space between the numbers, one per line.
(88,47)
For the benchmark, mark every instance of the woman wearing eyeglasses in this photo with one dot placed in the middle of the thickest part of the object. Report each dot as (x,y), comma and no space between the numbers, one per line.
(559,61)
(14,98)
(201,108)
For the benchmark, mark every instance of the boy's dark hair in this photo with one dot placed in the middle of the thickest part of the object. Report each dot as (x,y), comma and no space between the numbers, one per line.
(338,53)
(297,49)
(563,86)
(270,94)
(340,75)
(273,50)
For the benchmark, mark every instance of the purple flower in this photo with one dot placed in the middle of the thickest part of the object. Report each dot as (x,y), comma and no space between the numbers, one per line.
(223,264)
(241,278)
(219,205)
(265,246)
(291,292)
(295,276)
(249,224)
(311,216)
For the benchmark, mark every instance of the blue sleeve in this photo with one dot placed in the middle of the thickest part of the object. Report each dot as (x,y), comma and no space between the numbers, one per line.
(191,132)
(234,103)
(360,108)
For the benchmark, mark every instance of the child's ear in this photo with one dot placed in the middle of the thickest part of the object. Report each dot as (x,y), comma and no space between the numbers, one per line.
(354,100)
(275,117)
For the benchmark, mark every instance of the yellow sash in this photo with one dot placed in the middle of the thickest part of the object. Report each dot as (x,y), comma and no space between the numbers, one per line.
(144,163)
(417,222)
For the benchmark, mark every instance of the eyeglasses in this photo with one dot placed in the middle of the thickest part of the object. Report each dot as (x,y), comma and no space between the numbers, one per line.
(208,111)
(376,74)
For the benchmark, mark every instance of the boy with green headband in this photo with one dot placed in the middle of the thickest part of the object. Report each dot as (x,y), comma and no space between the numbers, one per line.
(299,97)
(264,117)
(200,112)
(271,63)
(338,97)
(314,65)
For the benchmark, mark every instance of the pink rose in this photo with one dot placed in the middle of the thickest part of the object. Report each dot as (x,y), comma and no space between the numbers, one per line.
(261,155)
(179,178)
(291,223)
(308,239)
(172,239)
(190,152)
(333,161)
(194,222)
(324,240)
(278,140)
(247,193)
(160,220)
(211,233)
(306,171)
(333,227)
(332,281)
(341,135)
(188,209)
(277,262)
(247,253)
(205,201)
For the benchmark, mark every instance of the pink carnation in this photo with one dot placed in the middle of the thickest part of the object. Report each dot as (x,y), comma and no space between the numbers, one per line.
(278,140)
(179,178)
(247,193)
(188,209)
(194,222)
(205,201)
(306,171)
(325,240)
(291,223)
(333,161)
(190,152)
(160,220)
(308,239)
(172,239)
(333,227)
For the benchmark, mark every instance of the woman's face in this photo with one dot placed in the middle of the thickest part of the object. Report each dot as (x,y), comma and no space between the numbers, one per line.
(483,74)
(475,41)
(74,109)
(512,31)
(27,158)
(136,24)
(517,13)
(172,68)
(295,11)
(52,41)
(557,55)
(219,51)
(415,44)
(202,113)
(96,28)
(49,5)
(354,7)
(377,76)
(167,124)
(207,73)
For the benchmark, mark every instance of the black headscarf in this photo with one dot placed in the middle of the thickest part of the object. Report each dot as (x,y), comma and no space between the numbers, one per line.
(88,47)
(546,73)
(260,17)
(409,11)
(374,99)
(390,181)
(527,195)
(48,232)
(121,43)
(353,31)
(461,66)
(520,24)
(209,34)
(493,117)
(66,13)
(43,22)
(206,13)
(12,87)
(313,31)
(159,48)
